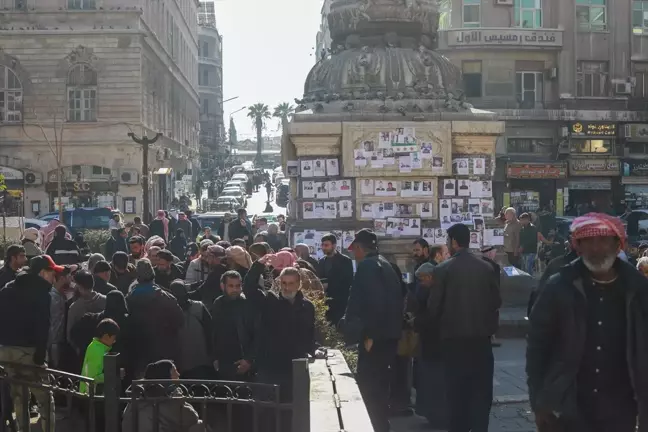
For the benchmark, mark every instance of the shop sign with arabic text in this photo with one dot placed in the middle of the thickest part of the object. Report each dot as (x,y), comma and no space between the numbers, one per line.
(505,37)
(593,129)
(593,167)
(635,168)
(536,171)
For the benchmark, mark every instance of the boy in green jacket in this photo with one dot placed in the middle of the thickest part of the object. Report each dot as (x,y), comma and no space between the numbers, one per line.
(93,363)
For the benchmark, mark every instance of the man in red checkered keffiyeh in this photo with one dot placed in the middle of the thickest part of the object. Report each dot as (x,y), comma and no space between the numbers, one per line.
(586,352)
(598,238)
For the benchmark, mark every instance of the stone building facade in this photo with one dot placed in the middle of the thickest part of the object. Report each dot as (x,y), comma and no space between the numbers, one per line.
(77,77)
(570,78)
(210,85)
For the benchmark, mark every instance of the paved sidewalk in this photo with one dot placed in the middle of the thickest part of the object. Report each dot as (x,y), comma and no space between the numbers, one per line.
(511,411)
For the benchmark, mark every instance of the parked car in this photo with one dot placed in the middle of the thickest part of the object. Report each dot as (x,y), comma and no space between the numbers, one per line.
(641,216)
(224,204)
(210,219)
(82,219)
(234,194)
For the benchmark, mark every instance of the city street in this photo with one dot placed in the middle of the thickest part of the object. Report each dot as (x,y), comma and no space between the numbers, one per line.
(511,411)
(257,202)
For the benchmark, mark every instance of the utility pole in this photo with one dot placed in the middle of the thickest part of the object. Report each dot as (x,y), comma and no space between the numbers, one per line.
(145,142)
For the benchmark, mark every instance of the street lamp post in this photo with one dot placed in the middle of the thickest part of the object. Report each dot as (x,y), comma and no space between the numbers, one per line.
(145,143)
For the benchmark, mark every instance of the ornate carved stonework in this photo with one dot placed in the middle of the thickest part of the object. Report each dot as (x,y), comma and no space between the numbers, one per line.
(81,54)
(383,61)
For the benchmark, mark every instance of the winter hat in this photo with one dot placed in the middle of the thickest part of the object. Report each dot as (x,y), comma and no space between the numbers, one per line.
(31,234)
(93,260)
(144,271)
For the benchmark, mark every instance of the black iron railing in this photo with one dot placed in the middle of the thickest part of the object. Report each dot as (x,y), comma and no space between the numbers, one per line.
(221,405)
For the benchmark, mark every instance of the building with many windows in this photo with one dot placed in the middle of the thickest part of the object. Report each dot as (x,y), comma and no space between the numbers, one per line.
(77,76)
(569,79)
(323,38)
(210,85)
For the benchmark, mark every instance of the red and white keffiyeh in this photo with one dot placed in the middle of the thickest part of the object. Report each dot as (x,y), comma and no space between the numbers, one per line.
(598,225)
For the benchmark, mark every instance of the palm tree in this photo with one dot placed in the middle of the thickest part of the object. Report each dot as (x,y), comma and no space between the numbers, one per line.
(283,112)
(259,113)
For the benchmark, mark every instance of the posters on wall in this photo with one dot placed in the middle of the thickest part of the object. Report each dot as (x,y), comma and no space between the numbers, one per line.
(479,166)
(345,208)
(403,227)
(359,158)
(463,188)
(313,239)
(319,168)
(449,187)
(331,189)
(475,240)
(385,188)
(367,187)
(319,209)
(292,168)
(494,237)
(464,166)
(307,168)
(332,167)
(399,147)
(308,189)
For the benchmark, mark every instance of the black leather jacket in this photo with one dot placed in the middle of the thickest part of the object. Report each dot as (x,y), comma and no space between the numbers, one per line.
(557,336)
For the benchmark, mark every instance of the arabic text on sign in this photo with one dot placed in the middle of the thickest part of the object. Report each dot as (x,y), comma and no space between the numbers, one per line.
(595,166)
(598,129)
(522,38)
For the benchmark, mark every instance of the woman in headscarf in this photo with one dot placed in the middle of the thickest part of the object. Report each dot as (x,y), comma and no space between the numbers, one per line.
(172,414)
(30,241)
(160,226)
(239,259)
(47,232)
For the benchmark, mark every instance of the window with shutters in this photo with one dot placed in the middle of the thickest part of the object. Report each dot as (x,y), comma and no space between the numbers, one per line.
(82,93)
(592,79)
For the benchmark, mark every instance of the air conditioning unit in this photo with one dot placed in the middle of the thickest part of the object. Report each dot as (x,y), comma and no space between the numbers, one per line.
(623,88)
(128,176)
(504,2)
(33,179)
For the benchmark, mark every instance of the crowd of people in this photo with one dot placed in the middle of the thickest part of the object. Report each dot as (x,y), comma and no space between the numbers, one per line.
(241,308)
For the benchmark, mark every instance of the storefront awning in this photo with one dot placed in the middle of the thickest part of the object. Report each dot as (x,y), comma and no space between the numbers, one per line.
(163,171)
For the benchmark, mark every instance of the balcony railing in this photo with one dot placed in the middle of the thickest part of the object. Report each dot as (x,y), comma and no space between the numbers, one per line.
(216,90)
(211,61)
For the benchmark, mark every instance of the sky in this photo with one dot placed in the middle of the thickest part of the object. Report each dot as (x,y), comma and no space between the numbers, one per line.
(268,50)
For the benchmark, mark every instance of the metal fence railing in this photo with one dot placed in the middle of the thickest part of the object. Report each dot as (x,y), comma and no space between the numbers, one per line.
(149,405)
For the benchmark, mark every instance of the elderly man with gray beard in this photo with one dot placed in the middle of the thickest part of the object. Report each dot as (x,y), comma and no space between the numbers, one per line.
(587,356)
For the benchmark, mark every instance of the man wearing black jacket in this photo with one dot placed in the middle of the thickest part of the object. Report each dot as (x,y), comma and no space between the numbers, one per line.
(233,330)
(166,271)
(24,330)
(15,259)
(464,300)
(374,319)
(587,358)
(337,272)
(285,326)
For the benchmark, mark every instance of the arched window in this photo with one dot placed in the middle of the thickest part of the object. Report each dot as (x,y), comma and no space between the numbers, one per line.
(82,93)
(11,96)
